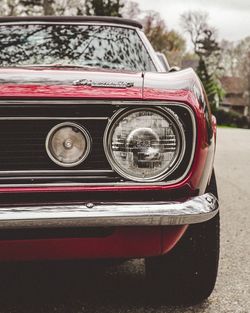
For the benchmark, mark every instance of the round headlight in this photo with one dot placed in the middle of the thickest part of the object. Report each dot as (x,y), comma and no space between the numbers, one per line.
(144,144)
(68,144)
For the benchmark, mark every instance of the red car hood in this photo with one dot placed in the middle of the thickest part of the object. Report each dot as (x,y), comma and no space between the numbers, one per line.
(60,83)
(44,82)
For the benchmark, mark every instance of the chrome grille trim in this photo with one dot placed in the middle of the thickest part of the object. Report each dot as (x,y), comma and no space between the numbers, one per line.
(194,210)
(29,118)
(41,172)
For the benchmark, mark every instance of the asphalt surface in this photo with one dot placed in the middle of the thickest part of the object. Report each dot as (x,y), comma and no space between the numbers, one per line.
(99,288)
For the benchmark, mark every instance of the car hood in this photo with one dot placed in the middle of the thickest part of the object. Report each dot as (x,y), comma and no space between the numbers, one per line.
(70,83)
(42,82)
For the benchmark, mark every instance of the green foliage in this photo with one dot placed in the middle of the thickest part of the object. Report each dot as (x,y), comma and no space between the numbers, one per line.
(104,7)
(232,119)
(215,92)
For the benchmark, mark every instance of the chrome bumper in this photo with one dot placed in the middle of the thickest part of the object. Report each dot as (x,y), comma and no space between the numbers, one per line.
(195,210)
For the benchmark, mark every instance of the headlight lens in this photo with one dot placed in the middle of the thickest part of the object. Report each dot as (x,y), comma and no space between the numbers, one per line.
(144,144)
(68,144)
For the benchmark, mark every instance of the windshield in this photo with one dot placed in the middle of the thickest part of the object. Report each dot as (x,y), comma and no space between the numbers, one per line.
(73,45)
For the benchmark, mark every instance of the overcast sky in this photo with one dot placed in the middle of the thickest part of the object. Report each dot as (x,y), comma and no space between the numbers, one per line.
(230,17)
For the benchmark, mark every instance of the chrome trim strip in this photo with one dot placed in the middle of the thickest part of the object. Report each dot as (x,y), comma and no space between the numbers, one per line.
(73,184)
(45,172)
(195,210)
(26,118)
(91,102)
(75,178)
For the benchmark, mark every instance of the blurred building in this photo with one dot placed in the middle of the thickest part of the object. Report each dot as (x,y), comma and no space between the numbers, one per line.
(236,95)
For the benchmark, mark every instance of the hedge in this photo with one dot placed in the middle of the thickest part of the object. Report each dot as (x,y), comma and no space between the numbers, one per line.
(231,118)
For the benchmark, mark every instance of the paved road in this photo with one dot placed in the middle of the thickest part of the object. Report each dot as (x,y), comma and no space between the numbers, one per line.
(98,288)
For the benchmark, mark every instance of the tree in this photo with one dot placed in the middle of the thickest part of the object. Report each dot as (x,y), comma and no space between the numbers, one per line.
(176,46)
(229,58)
(104,7)
(29,7)
(131,9)
(42,7)
(195,24)
(243,51)
(208,51)
(69,7)
(171,43)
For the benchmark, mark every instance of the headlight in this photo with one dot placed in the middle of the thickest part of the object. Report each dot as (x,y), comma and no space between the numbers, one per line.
(68,144)
(144,144)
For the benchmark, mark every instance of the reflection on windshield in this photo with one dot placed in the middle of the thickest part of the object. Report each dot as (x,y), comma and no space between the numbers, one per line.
(76,45)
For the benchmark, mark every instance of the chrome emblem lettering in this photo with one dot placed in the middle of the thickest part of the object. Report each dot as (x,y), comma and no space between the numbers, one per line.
(87,82)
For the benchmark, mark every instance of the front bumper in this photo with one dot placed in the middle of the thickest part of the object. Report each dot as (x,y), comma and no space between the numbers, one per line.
(195,210)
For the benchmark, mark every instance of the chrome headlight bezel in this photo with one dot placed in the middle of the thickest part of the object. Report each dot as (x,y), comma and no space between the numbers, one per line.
(167,114)
(50,136)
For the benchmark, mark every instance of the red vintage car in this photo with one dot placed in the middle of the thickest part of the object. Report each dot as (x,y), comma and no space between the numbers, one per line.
(104,154)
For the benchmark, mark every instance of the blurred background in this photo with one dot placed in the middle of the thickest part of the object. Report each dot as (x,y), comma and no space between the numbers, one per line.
(211,37)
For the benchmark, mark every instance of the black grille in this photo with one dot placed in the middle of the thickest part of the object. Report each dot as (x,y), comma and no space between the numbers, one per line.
(22,145)
(23,156)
